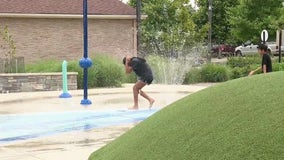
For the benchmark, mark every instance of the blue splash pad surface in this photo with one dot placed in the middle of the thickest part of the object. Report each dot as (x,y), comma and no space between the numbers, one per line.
(15,127)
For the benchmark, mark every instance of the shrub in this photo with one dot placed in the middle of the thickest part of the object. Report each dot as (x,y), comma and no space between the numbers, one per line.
(73,66)
(105,71)
(8,50)
(243,61)
(44,66)
(239,72)
(214,73)
(109,72)
(130,78)
(276,59)
(193,76)
(277,67)
(241,66)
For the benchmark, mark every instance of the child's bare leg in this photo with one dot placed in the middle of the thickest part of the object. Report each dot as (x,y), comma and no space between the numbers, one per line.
(151,100)
(136,88)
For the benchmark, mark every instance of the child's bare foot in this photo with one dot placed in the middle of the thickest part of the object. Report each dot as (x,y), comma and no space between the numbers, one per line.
(151,103)
(133,108)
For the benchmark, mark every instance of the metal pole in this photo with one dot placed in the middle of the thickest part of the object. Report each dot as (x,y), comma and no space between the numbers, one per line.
(279,46)
(85,21)
(138,20)
(263,35)
(210,30)
(85,62)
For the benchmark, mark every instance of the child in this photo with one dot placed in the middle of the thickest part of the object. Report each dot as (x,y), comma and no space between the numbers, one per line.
(266,65)
(144,76)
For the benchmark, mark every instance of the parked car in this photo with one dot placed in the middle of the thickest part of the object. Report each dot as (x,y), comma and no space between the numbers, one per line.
(275,49)
(248,48)
(223,50)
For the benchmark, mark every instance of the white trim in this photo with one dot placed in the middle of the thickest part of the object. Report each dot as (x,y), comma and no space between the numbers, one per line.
(72,16)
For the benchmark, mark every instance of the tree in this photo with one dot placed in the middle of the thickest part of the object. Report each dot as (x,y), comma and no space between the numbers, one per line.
(7,48)
(168,28)
(250,17)
(278,21)
(220,19)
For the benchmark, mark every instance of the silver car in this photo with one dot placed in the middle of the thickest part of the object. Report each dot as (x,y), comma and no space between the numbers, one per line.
(248,48)
(275,49)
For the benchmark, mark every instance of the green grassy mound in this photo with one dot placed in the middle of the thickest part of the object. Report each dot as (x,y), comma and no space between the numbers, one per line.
(239,119)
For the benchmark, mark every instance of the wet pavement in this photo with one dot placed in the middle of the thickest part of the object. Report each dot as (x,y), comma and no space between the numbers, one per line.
(79,144)
(45,124)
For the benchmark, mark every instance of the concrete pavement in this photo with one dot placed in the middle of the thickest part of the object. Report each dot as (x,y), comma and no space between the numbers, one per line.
(78,145)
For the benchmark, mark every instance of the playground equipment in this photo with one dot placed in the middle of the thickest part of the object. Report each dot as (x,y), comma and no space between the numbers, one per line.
(85,62)
(65,93)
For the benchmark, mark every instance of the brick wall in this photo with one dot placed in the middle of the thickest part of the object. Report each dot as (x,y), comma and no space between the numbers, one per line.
(62,39)
(28,82)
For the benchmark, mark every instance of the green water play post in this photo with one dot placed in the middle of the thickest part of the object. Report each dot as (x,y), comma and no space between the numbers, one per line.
(65,93)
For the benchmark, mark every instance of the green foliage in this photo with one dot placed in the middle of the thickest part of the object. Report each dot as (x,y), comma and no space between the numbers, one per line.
(130,78)
(214,73)
(47,66)
(44,66)
(250,17)
(278,67)
(105,71)
(236,21)
(239,119)
(220,19)
(108,71)
(279,21)
(168,28)
(8,50)
(276,60)
(173,25)
(73,66)
(8,46)
(243,61)
(193,76)
(220,73)
(238,72)
(236,67)
(241,66)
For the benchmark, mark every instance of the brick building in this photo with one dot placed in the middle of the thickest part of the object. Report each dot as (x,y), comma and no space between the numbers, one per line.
(53,29)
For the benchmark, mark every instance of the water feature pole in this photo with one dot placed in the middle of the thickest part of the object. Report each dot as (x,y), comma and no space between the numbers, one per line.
(280,44)
(210,7)
(138,21)
(85,62)
(65,93)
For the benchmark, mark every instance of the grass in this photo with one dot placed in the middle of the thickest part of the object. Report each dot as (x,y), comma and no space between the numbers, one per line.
(238,119)
(44,66)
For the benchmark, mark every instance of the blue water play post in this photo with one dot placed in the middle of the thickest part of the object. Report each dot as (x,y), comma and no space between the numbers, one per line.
(65,93)
(85,62)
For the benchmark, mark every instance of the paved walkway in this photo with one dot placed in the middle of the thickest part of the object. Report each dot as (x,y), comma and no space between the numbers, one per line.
(78,145)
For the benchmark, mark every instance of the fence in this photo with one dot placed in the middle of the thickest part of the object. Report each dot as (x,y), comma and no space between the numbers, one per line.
(14,65)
